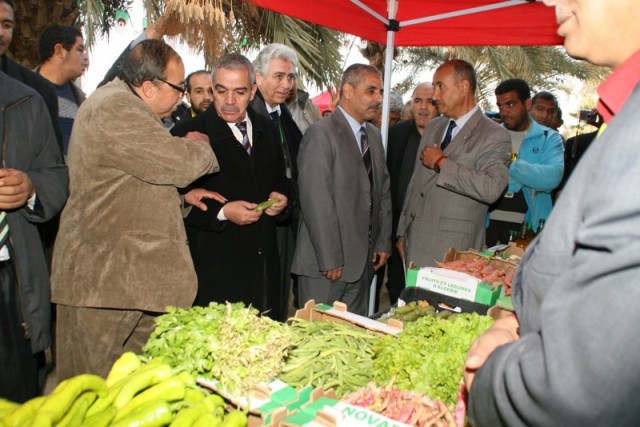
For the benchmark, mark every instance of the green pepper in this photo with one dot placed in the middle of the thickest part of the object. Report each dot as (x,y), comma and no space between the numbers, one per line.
(4,404)
(104,402)
(25,412)
(56,405)
(76,413)
(140,381)
(100,419)
(208,420)
(235,418)
(170,390)
(154,414)
(125,365)
(193,395)
(267,204)
(211,404)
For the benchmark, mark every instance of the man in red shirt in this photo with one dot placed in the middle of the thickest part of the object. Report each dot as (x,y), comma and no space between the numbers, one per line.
(570,356)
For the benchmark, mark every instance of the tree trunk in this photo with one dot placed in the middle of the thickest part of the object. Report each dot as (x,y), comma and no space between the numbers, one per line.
(32,17)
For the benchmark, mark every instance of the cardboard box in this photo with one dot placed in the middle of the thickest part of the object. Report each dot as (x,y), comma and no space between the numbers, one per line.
(459,286)
(338,313)
(329,412)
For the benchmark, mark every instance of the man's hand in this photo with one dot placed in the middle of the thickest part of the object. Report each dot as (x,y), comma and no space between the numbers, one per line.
(333,275)
(241,213)
(197,136)
(278,207)
(503,331)
(194,197)
(430,155)
(159,28)
(15,189)
(379,259)
(400,247)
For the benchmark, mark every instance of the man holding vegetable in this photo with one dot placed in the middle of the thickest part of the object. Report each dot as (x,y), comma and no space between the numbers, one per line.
(570,357)
(233,242)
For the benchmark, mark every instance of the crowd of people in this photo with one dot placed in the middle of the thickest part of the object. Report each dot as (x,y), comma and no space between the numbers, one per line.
(245,193)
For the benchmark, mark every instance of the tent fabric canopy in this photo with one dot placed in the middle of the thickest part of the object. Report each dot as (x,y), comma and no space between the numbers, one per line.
(324,101)
(449,22)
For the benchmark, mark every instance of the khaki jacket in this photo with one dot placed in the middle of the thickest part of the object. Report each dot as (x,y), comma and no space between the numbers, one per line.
(122,242)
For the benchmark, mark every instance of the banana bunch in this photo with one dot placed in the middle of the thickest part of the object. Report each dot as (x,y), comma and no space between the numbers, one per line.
(133,395)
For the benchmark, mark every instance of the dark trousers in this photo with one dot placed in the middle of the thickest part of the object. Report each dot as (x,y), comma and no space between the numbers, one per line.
(19,367)
(395,276)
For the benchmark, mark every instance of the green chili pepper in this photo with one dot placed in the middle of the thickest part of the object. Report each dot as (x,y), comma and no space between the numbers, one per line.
(170,390)
(100,419)
(125,365)
(76,413)
(235,418)
(25,412)
(56,405)
(140,381)
(154,414)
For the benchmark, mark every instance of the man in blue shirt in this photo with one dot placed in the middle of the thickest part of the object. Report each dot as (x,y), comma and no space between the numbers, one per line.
(536,167)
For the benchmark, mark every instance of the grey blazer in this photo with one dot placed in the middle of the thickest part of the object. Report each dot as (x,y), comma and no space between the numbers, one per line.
(449,209)
(336,200)
(577,296)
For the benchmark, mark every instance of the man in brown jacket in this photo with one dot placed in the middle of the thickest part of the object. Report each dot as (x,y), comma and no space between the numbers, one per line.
(121,256)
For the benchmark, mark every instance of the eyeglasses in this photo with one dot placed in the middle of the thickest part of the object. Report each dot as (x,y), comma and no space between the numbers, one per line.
(180,89)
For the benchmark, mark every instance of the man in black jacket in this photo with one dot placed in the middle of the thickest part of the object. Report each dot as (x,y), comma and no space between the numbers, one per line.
(402,152)
(22,74)
(275,68)
(33,188)
(233,244)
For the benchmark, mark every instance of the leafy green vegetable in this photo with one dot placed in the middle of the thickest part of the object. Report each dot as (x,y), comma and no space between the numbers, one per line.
(428,355)
(228,343)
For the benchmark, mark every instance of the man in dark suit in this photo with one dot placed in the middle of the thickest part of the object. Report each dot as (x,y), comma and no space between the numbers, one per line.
(275,75)
(345,224)
(233,244)
(402,151)
(463,167)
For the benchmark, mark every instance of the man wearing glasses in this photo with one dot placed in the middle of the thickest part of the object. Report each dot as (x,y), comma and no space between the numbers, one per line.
(121,256)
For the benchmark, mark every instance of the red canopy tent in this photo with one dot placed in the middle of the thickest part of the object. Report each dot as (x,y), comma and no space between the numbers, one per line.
(428,23)
(324,101)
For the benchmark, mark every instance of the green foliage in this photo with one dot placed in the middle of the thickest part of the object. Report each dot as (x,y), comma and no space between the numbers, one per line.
(429,354)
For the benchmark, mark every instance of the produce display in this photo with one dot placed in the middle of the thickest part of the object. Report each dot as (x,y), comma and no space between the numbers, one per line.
(409,312)
(427,357)
(407,407)
(228,343)
(330,355)
(480,269)
(134,394)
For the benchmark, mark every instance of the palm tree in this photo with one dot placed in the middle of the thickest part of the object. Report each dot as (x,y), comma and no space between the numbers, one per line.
(212,26)
(544,67)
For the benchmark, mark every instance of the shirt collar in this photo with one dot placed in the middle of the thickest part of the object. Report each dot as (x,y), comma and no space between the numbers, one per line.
(353,123)
(615,90)
(271,110)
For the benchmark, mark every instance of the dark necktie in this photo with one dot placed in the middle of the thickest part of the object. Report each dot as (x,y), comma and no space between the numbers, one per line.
(447,136)
(4,229)
(275,117)
(366,154)
(245,138)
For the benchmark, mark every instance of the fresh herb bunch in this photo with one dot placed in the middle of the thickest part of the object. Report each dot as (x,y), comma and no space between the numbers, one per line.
(229,343)
(428,355)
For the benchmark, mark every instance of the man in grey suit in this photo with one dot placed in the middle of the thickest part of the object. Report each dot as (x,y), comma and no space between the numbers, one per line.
(462,168)
(571,356)
(345,226)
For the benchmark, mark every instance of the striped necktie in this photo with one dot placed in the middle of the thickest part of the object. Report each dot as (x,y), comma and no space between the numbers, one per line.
(245,138)
(4,229)
(366,154)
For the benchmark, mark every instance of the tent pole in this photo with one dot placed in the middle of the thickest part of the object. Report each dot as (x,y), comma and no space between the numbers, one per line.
(384,129)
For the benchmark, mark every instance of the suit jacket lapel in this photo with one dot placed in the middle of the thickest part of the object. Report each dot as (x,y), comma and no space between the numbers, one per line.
(466,132)
(342,126)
